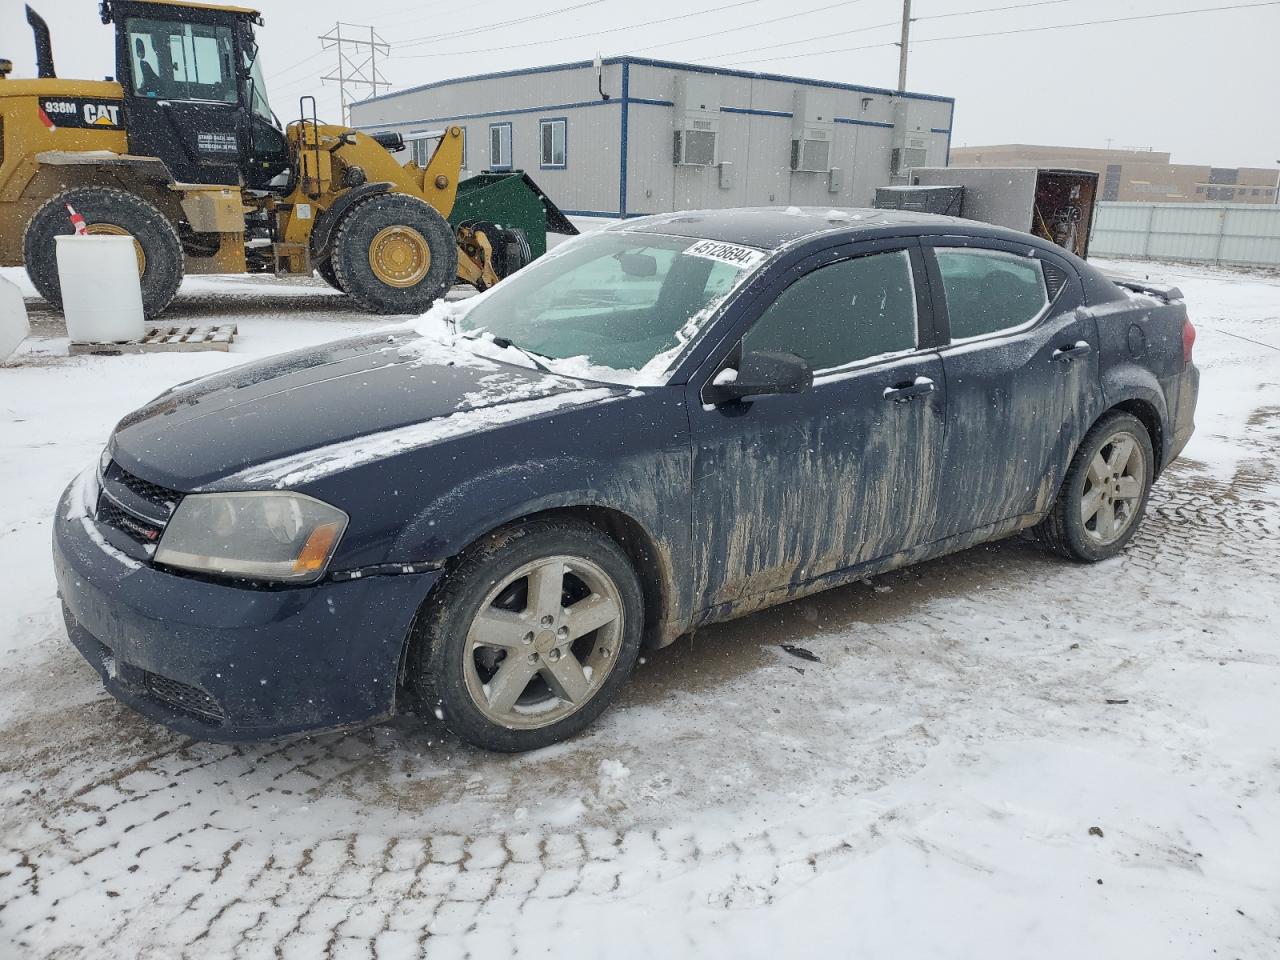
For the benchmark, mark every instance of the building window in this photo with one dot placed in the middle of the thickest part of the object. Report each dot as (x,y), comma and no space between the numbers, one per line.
(425,148)
(499,146)
(552,135)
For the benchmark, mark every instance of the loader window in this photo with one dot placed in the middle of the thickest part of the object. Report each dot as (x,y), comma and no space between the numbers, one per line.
(260,105)
(181,61)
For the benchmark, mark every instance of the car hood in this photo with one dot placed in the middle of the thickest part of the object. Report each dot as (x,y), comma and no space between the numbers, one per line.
(265,423)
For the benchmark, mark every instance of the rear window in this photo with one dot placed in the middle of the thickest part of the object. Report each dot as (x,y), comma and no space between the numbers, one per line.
(989,291)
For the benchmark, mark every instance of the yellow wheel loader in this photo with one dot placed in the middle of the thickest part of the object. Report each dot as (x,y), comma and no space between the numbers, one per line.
(182,151)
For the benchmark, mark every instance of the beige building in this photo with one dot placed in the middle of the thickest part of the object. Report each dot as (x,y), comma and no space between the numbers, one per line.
(1135,175)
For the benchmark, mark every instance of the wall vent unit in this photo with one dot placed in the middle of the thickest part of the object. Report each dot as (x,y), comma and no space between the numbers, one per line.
(910,143)
(914,153)
(813,129)
(697,119)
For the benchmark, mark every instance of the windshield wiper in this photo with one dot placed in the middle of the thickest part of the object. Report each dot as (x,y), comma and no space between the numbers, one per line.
(507,344)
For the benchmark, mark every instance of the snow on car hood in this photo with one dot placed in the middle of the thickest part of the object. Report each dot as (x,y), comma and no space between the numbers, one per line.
(294,417)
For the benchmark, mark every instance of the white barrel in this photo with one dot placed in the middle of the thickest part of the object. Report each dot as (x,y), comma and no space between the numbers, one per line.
(101,292)
(13,318)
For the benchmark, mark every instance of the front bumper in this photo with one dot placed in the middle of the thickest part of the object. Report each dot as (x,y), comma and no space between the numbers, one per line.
(224,663)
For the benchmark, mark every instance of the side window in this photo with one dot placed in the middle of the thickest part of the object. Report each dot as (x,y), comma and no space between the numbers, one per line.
(552,137)
(843,312)
(500,146)
(988,291)
(181,61)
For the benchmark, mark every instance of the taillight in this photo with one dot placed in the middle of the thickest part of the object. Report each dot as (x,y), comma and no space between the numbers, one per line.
(1188,339)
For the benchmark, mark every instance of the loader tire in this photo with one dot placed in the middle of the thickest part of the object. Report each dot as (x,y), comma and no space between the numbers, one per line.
(106,210)
(510,247)
(394,254)
(325,269)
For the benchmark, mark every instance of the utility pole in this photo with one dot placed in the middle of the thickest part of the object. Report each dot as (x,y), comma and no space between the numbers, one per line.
(906,38)
(357,67)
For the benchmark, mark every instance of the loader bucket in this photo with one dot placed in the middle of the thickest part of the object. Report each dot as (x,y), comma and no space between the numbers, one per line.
(510,200)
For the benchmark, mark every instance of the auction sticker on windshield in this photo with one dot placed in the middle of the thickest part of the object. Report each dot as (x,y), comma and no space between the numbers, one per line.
(729,253)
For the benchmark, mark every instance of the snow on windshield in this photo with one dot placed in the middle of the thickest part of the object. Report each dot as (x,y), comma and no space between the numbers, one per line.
(617,307)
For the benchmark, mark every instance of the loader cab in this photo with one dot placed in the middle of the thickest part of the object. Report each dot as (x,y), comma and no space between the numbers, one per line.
(194,94)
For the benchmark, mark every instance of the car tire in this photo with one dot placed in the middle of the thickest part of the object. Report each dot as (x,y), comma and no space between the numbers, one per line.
(394,254)
(110,211)
(455,671)
(1104,493)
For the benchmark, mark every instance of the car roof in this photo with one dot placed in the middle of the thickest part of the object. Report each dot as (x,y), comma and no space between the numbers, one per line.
(768,228)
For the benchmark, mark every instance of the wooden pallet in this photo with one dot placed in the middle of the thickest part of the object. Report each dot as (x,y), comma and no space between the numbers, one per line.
(160,339)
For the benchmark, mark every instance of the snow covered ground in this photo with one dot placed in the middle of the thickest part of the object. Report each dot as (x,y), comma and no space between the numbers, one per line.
(999,754)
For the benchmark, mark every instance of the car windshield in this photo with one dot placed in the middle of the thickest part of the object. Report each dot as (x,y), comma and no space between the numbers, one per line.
(615,305)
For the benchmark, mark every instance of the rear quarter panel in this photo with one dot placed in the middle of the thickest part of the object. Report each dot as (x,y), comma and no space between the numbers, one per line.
(1142,359)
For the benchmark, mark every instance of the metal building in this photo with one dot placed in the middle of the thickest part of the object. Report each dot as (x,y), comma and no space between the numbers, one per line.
(632,136)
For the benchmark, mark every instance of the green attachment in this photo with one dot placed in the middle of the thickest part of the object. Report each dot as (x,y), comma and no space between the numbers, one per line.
(510,200)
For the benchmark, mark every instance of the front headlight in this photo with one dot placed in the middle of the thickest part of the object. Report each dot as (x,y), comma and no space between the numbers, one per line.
(258,535)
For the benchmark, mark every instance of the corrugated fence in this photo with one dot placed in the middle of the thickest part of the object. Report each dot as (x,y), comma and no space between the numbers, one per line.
(1229,233)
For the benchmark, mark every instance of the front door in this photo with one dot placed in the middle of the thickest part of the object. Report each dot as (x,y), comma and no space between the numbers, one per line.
(790,488)
(1022,379)
(182,100)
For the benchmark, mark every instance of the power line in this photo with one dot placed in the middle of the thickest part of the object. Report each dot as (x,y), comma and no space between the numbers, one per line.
(293,66)
(490,27)
(1005,33)
(597,33)
(890,23)
(747,26)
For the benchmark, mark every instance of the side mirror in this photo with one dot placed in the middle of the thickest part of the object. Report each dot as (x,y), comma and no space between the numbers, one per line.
(760,373)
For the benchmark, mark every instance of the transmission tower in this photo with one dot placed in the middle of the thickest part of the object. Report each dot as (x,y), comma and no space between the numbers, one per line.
(357,68)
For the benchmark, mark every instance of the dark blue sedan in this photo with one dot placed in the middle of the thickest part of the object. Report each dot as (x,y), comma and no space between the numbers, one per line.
(667,423)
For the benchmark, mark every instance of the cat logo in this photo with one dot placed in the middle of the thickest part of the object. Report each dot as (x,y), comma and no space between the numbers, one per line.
(102,114)
(79,112)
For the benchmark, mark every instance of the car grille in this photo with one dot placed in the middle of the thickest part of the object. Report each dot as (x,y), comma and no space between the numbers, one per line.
(113,515)
(184,697)
(125,513)
(153,493)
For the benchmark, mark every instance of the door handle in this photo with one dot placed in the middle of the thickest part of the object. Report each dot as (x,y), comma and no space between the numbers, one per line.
(902,392)
(1066,354)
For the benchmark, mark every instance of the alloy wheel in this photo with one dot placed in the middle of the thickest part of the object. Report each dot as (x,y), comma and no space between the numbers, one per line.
(1113,489)
(543,642)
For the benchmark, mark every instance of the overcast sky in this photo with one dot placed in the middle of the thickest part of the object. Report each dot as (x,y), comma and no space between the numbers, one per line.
(1205,86)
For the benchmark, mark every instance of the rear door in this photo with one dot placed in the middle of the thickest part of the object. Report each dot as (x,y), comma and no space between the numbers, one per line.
(182,100)
(789,488)
(1021,365)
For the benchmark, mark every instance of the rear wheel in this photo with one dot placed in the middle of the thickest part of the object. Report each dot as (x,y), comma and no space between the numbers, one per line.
(107,210)
(1104,493)
(530,637)
(394,254)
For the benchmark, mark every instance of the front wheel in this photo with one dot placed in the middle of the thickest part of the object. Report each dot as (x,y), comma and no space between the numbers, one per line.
(1104,493)
(530,637)
(394,254)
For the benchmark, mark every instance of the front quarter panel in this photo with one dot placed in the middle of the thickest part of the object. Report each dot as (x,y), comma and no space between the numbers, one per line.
(628,453)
